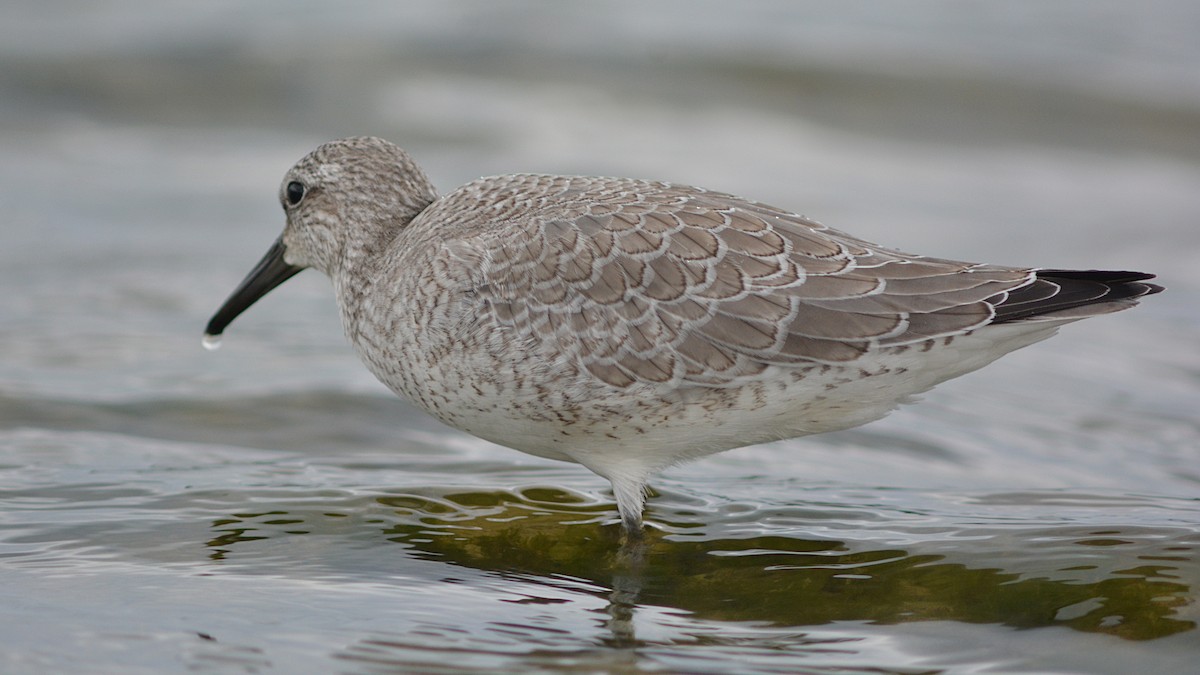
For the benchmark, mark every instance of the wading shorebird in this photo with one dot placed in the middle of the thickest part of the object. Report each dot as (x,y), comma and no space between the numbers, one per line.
(629,325)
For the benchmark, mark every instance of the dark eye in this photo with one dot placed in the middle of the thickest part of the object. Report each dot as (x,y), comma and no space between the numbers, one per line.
(294,192)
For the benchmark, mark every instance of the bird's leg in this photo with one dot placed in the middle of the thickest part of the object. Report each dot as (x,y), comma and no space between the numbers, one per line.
(631,499)
(633,528)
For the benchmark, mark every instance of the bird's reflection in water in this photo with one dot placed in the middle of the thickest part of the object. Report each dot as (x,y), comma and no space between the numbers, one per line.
(545,535)
(627,581)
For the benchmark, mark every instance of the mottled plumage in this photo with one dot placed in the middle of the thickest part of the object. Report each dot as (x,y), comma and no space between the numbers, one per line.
(628,325)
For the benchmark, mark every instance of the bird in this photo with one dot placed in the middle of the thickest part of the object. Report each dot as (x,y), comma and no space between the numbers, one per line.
(631,325)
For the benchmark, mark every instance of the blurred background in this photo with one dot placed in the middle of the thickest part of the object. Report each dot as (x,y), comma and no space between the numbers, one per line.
(144,142)
(141,149)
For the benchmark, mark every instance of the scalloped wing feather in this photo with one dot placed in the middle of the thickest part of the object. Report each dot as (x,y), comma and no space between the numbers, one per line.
(643,282)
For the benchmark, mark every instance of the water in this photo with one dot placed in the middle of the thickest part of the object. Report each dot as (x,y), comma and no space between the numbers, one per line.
(270,508)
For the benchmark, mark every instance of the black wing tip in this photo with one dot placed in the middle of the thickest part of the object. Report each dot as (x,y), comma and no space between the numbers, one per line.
(1054,290)
(1124,283)
(1102,276)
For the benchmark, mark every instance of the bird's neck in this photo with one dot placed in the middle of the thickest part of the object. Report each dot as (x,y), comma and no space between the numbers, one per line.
(364,259)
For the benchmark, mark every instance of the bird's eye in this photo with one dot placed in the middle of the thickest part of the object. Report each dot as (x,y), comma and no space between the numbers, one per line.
(294,192)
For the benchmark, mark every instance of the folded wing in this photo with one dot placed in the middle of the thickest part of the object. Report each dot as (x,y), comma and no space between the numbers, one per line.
(658,283)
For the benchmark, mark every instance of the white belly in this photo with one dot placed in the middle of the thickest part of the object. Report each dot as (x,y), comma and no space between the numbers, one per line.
(645,428)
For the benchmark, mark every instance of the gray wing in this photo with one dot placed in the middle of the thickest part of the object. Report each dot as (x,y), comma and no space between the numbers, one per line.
(657,283)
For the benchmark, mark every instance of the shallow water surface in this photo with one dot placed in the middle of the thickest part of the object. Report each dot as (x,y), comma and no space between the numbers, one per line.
(270,508)
(224,557)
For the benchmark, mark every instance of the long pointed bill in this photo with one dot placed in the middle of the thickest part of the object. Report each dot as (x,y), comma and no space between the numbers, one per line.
(271,271)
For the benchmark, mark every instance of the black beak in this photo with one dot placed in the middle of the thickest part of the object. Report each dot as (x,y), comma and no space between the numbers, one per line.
(271,271)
